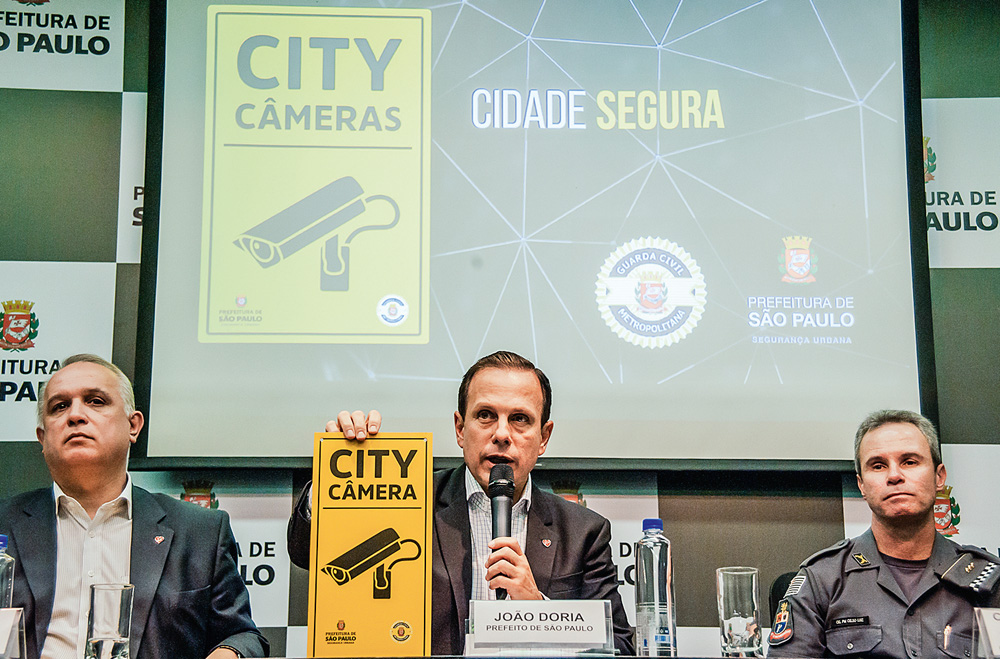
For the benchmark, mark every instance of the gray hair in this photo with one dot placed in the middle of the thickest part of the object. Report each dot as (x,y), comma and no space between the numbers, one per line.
(124,385)
(884,417)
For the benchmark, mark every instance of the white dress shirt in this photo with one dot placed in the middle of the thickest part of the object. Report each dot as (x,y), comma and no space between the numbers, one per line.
(481,521)
(88,551)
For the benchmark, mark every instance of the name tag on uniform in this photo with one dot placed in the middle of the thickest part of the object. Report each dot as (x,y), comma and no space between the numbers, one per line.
(852,621)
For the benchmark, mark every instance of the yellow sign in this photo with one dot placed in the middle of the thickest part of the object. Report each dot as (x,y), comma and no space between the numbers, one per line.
(370,560)
(317,159)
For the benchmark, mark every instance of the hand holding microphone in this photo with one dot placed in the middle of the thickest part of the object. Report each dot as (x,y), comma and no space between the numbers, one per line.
(507,560)
(501,493)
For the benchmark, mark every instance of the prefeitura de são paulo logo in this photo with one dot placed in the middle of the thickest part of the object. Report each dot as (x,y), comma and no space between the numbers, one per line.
(651,292)
(20,326)
(798,263)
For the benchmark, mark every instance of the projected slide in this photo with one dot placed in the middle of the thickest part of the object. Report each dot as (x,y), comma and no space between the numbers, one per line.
(692,215)
(289,109)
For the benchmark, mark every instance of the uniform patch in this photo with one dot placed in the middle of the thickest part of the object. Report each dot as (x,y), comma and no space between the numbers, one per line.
(852,621)
(795,585)
(861,560)
(781,630)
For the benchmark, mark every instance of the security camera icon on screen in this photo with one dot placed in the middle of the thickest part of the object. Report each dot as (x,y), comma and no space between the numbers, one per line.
(373,552)
(316,218)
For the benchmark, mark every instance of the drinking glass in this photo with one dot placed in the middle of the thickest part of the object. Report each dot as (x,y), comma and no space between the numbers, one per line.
(109,620)
(739,611)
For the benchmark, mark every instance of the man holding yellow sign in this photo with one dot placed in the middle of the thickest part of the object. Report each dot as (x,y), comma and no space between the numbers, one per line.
(556,549)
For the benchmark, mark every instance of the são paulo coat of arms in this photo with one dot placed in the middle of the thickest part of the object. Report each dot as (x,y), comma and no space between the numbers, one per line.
(798,264)
(946,512)
(20,325)
(930,161)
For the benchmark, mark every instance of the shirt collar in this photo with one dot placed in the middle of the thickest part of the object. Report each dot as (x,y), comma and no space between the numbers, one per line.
(126,496)
(942,554)
(472,487)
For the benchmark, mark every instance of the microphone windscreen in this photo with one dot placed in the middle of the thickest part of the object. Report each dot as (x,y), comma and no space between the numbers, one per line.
(501,481)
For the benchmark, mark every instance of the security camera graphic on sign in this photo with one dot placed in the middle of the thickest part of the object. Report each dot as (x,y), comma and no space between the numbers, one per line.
(317,217)
(371,553)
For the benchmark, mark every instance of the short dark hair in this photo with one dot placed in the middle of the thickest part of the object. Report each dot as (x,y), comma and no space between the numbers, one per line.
(510,361)
(885,417)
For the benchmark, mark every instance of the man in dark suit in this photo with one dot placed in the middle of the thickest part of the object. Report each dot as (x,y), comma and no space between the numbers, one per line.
(504,404)
(93,526)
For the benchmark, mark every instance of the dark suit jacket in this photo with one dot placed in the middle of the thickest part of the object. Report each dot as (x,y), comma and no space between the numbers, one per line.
(189,597)
(576,565)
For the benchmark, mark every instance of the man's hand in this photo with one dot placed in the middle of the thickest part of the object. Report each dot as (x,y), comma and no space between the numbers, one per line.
(507,567)
(355,425)
(222,653)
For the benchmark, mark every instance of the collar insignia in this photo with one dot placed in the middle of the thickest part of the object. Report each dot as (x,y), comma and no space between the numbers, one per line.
(861,560)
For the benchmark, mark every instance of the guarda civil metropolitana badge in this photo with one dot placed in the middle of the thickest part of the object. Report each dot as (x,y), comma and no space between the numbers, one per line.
(651,292)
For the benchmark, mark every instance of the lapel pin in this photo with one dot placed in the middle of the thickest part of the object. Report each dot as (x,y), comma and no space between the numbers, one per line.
(546,542)
(158,539)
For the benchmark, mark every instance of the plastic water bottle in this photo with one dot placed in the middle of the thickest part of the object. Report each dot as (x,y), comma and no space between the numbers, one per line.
(655,616)
(6,575)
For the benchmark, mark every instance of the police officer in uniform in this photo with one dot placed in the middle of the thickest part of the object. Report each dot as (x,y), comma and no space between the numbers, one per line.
(901,589)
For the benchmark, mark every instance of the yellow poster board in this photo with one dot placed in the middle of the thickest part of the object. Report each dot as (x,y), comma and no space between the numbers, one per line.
(315,220)
(370,559)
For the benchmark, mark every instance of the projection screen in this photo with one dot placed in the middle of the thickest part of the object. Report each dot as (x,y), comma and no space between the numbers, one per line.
(693,216)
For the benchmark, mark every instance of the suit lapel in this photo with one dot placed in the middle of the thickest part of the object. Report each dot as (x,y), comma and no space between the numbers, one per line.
(151,541)
(35,537)
(540,549)
(455,539)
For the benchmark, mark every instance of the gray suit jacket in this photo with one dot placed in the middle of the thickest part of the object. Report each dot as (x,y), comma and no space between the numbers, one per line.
(576,564)
(189,597)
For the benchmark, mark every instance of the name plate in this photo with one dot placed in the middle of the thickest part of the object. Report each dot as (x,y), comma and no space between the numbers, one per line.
(542,622)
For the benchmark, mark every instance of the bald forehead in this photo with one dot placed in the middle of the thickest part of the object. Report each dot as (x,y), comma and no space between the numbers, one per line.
(81,377)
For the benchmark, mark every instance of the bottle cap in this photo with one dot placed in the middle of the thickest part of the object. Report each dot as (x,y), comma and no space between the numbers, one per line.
(652,523)
(3,542)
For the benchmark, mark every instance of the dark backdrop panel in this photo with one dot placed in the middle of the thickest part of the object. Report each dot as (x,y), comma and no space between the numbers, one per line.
(966,336)
(959,49)
(764,520)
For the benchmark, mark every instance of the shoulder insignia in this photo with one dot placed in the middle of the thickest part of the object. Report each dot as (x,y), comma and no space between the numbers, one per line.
(860,559)
(973,572)
(833,549)
(795,585)
(781,630)
(980,552)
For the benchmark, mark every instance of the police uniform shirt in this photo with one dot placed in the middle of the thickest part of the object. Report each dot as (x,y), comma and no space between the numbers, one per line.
(845,601)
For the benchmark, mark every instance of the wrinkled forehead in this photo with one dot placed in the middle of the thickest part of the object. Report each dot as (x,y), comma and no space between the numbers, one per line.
(894,439)
(81,378)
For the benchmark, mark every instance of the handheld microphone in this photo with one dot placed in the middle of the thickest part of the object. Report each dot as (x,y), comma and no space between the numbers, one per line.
(501,493)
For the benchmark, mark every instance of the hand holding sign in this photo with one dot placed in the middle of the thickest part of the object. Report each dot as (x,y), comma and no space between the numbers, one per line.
(356,425)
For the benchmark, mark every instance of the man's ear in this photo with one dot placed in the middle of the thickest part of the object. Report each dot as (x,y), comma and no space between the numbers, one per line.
(546,434)
(940,476)
(861,485)
(460,429)
(134,426)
